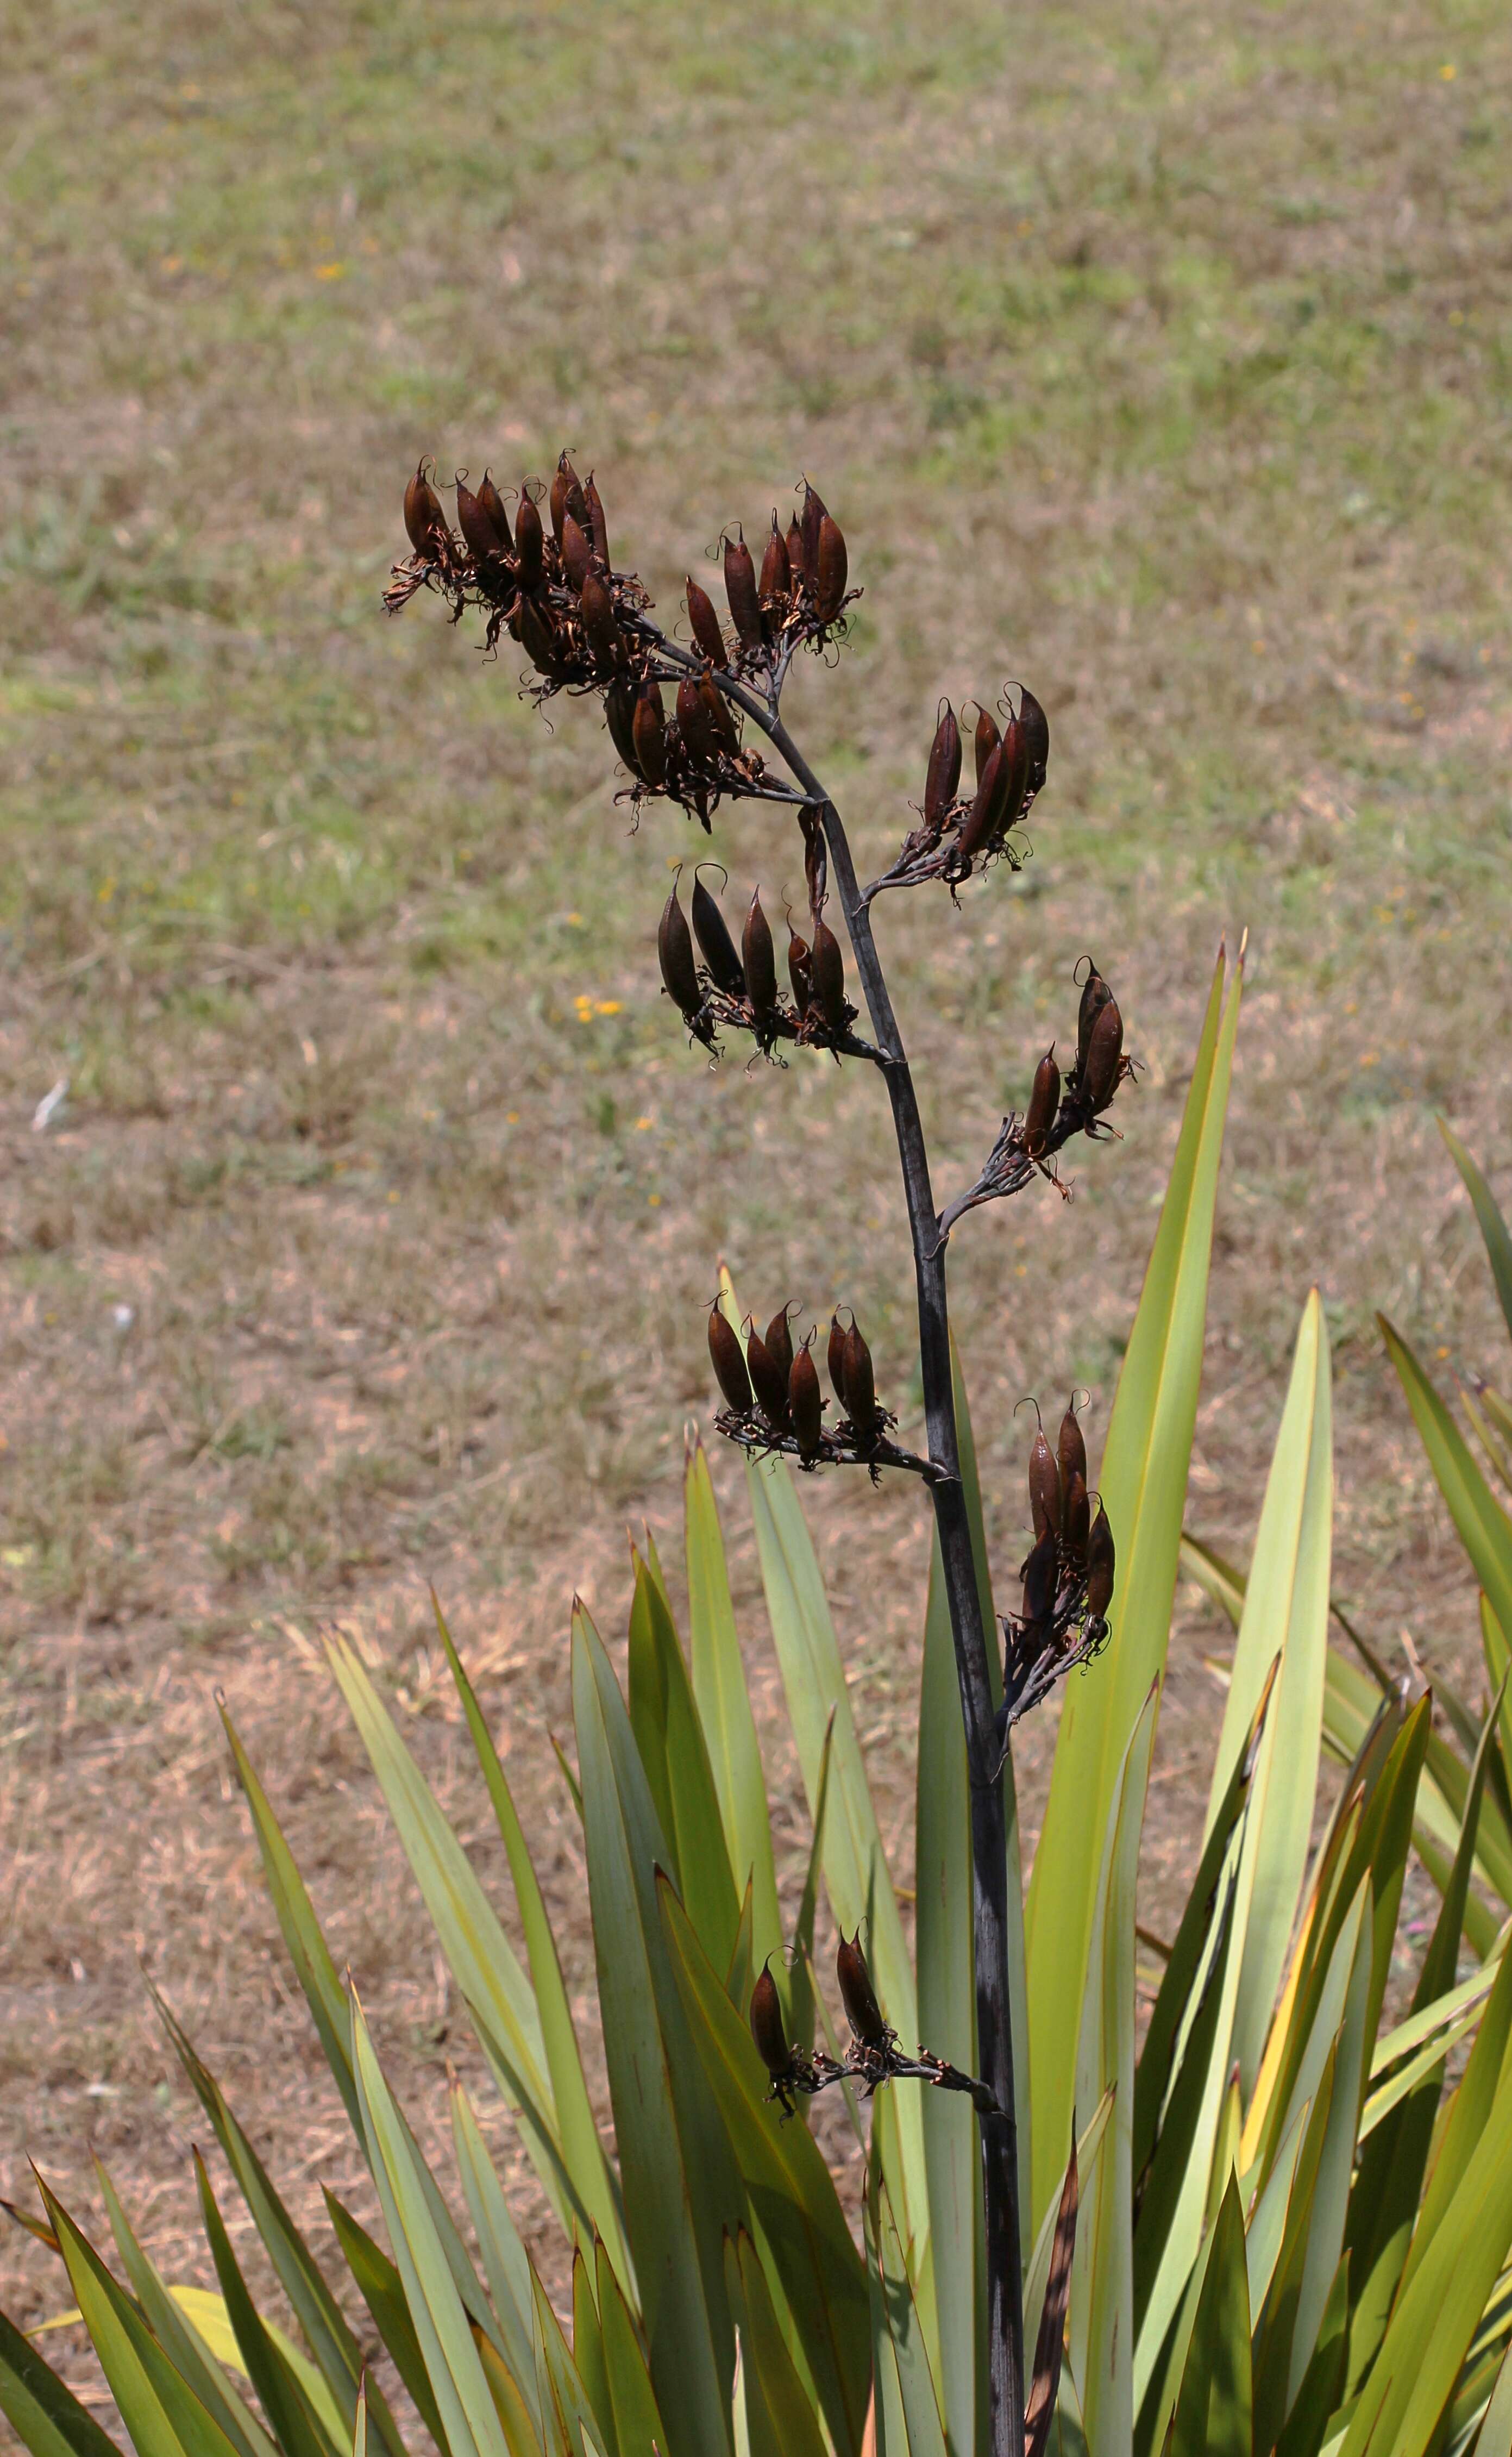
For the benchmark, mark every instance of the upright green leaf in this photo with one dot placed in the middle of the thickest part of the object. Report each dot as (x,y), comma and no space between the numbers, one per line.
(1285,1615)
(779,2415)
(662,1708)
(1143,1480)
(382,2290)
(1493,1227)
(506,2263)
(41,2409)
(909,2421)
(680,2186)
(1212,2417)
(723,1704)
(182,2341)
(582,2154)
(297,2428)
(1485,1528)
(637,2417)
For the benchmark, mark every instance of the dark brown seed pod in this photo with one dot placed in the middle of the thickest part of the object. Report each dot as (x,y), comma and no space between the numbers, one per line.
(760,958)
(478,531)
(828,967)
(424,517)
(1013,777)
(1100,1566)
(1076,1517)
(805,1404)
(977,825)
(674,949)
(716,943)
(799,972)
(529,542)
(1036,735)
(985,739)
(740,588)
(577,554)
(598,525)
(1095,997)
(537,637)
(1104,1057)
(814,511)
(832,571)
(779,1338)
(861,1390)
(944,777)
(649,730)
(704,621)
(1041,1577)
(619,711)
(767,1380)
(491,504)
(567,495)
(728,1361)
(1044,1101)
(776,580)
(695,725)
(857,1994)
(601,630)
(1071,1451)
(797,562)
(725,729)
(767,2025)
(835,1359)
(1044,1486)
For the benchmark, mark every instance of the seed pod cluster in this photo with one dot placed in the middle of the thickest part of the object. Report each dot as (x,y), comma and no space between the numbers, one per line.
(738,987)
(1102,1065)
(798,594)
(959,833)
(771,1389)
(1068,1574)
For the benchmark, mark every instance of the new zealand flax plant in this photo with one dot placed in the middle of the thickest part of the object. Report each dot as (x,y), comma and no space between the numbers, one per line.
(1263,2226)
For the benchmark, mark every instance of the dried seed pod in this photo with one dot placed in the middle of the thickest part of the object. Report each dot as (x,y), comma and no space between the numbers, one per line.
(767,2025)
(567,495)
(530,540)
(977,825)
(1041,1577)
(835,1359)
(760,958)
(674,951)
(1013,777)
(619,711)
(740,588)
(479,535)
(491,504)
(601,630)
(1095,997)
(1071,1451)
(424,517)
(832,571)
(1104,1058)
(776,580)
(797,560)
(705,622)
(716,943)
(1044,1101)
(598,525)
(1036,735)
(861,1391)
(857,1994)
(814,511)
(725,729)
(695,725)
(649,732)
(799,972)
(537,637)
(728,1361)
(779,1338)
(1044,1486)
(827,968)
(1100,1565)
(767,1379)
(985,739)
(577,554)
(1075,1518)
(944,773)
(805,1404)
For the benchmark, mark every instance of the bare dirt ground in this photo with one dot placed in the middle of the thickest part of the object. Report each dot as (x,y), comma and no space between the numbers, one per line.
(1161,363)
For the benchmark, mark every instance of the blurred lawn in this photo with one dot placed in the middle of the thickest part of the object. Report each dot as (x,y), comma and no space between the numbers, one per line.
(1161,358)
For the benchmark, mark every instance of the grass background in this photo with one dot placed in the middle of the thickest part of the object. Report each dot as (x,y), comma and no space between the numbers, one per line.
(1160,358)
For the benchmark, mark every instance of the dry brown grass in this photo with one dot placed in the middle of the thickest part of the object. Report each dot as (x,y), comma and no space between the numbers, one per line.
(1165,364)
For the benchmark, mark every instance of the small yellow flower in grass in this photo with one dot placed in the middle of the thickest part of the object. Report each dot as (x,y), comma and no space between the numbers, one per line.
(334,271)
(655,1201)
(1448,73)
(643,1124)
(608,1006)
